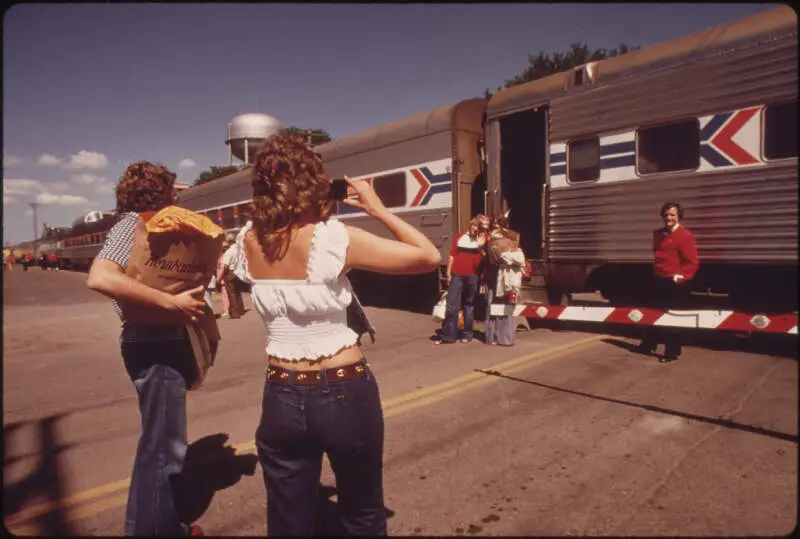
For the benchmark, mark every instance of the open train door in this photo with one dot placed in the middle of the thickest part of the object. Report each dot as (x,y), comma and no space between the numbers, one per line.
(517,148)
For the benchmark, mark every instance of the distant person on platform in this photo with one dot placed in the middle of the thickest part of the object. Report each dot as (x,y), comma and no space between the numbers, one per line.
(464,268)
(53,262)
(675,264)
(158,358)
(232,302)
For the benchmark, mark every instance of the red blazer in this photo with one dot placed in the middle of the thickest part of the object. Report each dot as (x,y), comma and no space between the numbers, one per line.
(675,253)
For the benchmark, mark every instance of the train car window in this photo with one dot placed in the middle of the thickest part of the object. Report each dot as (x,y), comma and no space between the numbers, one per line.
(584,160)
(780,131)
(391,188)
(227,218)
(667,148)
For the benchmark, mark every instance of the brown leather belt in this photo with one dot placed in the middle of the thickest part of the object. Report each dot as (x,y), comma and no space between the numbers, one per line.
(312,378)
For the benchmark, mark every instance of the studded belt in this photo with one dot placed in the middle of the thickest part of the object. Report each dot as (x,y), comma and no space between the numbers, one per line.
(311,378)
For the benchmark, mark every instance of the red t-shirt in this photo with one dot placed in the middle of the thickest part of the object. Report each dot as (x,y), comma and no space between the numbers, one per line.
(675,253)
(467,255)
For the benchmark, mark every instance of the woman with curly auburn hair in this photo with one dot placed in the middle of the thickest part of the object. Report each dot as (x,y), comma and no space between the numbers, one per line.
(320,395)
(158,358)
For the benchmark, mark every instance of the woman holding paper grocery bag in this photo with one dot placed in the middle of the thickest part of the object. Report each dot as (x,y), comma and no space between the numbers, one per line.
(158,356)
(320,395)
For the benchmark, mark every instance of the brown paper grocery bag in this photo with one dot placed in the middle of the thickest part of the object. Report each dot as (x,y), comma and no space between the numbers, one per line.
(174,261)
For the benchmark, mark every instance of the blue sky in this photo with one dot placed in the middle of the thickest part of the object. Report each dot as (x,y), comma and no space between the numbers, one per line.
(89,88)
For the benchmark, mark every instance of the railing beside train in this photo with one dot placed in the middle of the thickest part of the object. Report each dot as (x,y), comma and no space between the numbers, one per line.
(709,319)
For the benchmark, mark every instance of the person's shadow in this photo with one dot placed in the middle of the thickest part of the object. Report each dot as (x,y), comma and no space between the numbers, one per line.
(210,466)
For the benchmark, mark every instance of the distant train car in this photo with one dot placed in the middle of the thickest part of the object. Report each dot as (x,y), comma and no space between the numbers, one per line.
(426,168)
(585,158)
(81,243)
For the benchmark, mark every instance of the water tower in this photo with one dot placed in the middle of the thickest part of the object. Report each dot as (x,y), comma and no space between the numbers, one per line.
(246,132)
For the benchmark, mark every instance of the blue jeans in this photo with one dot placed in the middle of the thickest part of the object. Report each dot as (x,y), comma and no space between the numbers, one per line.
(460,295)
(300,423)
(160,371)
(499,329)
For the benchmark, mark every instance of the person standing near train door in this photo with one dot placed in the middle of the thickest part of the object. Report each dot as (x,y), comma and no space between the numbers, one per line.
(463,273)
(675,264)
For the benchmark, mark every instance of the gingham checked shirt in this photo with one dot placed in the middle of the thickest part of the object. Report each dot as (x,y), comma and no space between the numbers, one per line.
(117,249)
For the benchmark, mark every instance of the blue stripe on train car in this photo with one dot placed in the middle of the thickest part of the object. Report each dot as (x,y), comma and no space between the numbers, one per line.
(714,124)
(618,161)
(618,147)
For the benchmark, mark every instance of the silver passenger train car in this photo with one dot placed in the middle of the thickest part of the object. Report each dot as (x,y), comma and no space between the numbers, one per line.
(584,159)
(423,167)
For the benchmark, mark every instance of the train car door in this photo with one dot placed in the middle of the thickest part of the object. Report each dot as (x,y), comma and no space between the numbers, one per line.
(518,174)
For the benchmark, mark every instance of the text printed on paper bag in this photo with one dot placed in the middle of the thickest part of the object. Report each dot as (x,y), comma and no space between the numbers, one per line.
(176,266)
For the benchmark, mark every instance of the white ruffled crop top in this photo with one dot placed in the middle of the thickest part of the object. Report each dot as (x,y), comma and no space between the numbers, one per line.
(306,319)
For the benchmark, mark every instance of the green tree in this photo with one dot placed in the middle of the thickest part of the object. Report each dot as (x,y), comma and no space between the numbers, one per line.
(215,172)
(318,136)
(541,64)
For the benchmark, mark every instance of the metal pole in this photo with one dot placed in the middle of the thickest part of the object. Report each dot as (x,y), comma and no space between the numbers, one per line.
(35,205)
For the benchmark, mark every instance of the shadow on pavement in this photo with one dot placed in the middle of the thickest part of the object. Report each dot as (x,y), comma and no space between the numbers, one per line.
(210,466)
(44,485)
(326,522)
(721,421)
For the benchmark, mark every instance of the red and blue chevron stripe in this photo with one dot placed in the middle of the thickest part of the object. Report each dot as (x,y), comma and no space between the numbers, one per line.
(429,184)
(717,146)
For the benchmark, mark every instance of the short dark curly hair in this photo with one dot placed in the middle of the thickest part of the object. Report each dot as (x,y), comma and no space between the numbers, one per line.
(145,186)
(671,204)
(290,189)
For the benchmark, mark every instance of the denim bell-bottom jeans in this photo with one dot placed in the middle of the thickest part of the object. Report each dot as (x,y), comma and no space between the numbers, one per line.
(460,295)
(299,424)
(160,371)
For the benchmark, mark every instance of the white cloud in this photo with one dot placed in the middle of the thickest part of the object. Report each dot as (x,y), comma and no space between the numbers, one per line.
(48,160)
(84,160)
(62,200)
(87,179)
(21,187)
(186,163)
(58,187)
(104,188)
(12,160)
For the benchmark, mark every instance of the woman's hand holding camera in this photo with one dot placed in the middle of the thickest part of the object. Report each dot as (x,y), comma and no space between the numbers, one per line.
(366,197)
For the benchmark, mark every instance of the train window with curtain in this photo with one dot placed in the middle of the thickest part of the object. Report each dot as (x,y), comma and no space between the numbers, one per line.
(668,148)
(227,218)
(583,157)
(780,131)
(391,188)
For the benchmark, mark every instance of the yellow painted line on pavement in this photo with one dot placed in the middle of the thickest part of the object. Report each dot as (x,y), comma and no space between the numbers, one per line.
(391,407)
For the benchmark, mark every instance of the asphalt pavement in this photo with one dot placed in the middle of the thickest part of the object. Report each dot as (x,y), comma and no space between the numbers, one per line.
(569,432)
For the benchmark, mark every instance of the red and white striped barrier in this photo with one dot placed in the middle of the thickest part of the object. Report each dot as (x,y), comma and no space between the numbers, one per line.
(638,316)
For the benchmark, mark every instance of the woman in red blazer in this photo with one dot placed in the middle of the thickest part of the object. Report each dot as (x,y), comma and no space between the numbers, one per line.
(675,264)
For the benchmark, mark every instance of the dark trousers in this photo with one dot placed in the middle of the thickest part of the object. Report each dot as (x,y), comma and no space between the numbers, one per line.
(160,372)
(300,423)
(666,294)
(460,295)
